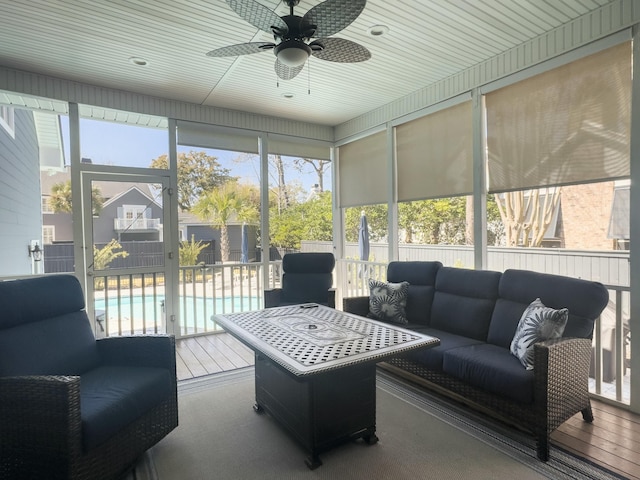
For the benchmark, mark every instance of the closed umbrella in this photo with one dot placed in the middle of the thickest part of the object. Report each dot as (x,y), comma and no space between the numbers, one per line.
(363,238)
(244,256)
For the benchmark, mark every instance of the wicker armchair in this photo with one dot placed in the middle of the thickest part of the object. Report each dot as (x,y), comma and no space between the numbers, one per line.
(72,407)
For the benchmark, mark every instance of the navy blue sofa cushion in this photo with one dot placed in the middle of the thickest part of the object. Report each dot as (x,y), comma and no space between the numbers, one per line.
(518,288)
(112,397)
(464,300)
(307,277)
(491,368)
(432,357)
(422,279)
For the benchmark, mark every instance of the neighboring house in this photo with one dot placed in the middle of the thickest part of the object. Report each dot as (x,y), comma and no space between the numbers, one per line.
(191,226)
(129,213)
(22,151)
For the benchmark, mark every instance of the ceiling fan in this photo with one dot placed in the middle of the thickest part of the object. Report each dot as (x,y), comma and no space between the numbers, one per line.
(293,34)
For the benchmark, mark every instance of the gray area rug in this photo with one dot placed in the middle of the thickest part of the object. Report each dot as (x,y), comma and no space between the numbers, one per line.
(421,437)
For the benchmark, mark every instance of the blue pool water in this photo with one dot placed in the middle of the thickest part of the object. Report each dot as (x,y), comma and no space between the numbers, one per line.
(195,312)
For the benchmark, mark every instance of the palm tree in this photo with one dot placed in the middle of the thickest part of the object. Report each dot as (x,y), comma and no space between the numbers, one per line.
(217,207)
(60,200)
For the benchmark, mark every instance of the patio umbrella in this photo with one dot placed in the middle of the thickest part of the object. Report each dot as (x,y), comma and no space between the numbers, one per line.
(244,255)
(363,238)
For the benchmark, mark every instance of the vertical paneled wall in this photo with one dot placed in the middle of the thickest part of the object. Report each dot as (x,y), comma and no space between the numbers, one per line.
(20,219)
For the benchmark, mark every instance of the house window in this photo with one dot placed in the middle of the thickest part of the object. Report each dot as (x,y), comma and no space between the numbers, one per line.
(7,120)
(48,234)
(46,206)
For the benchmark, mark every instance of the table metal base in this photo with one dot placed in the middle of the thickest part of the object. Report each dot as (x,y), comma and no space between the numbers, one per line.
(319,411)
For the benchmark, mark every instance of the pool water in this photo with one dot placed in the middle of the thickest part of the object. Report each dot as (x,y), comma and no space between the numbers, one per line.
(195,312)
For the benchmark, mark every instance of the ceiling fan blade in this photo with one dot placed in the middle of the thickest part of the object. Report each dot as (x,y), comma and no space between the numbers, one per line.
(287,73)
(241,49)
(258,15)
(340,50)
(332,16)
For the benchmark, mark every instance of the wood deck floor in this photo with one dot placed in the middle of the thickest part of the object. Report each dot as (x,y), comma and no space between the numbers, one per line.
(612,440)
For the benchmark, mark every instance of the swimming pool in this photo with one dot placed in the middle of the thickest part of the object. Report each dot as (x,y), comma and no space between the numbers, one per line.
(138,313)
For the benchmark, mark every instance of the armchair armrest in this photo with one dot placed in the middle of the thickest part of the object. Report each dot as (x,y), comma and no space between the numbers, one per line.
(272,297)
(40,426)
(357,305)
(139,351)
(561,371)
(331,298)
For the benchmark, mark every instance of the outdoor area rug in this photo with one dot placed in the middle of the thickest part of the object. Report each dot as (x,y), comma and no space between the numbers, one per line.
(421,437)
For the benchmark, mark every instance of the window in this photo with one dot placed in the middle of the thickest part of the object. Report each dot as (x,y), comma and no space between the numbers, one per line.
(46,206)
(48,234)
(7,120)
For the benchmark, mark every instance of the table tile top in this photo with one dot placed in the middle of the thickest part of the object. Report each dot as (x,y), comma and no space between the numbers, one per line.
(309,339)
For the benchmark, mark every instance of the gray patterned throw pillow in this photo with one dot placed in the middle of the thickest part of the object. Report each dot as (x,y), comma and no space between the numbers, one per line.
(387,301)
(537,323)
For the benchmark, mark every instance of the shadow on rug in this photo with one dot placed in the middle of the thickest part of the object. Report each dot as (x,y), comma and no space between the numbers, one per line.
(421,436)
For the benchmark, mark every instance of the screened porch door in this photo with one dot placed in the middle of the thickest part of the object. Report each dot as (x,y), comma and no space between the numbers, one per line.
(127,251)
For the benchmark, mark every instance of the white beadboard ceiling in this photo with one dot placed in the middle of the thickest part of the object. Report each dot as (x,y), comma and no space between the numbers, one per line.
(91,41)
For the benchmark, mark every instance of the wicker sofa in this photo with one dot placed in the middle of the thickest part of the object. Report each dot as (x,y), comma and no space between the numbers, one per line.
(72,407)
(475,315)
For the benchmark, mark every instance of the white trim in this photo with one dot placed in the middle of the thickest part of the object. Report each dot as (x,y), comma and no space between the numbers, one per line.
(8,120)
(436,107)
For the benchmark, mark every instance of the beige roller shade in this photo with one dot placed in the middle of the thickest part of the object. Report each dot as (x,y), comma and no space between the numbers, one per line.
(565,126)
(434,154)
(209,136)
(363,171)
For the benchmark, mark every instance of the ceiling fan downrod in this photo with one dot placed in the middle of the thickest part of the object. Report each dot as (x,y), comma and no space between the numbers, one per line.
(291,4)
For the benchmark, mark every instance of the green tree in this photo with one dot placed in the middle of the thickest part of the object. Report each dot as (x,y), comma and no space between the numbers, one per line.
(377,220)
(61,202)
(198,173)
(189,251)
(217,207)
(311,220)
(102,257)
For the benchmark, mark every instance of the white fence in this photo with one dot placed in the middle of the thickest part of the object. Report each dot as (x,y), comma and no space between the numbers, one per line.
(608,267)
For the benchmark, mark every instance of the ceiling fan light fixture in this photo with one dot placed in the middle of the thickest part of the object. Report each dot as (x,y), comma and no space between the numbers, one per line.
(292,53)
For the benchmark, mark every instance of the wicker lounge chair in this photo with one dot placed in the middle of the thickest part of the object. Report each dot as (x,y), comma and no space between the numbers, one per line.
(72,407)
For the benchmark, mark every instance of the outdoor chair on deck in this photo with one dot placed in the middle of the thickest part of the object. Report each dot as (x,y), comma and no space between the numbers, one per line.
(72,406)
(306,278)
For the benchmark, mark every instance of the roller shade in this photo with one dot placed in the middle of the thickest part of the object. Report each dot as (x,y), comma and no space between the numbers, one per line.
(300,148)
(569,125)
(434,154)
(203,135)
(362,170)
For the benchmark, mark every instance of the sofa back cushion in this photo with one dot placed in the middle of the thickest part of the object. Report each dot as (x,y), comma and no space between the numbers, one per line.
(422,280)
(464,300)
(584,299)
(44,329)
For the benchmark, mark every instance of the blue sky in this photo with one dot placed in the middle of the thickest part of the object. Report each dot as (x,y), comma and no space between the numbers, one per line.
(110,143)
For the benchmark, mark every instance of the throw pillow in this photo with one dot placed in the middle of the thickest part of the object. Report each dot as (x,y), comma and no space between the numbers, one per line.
(538,323)
(387,301)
